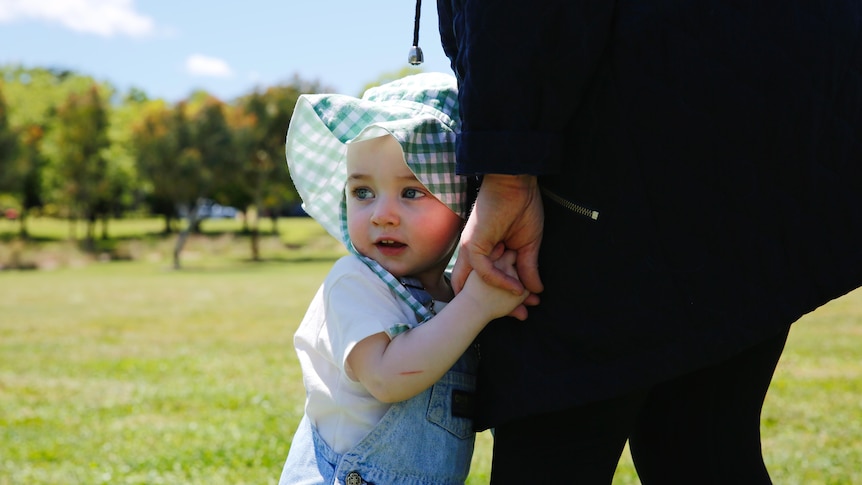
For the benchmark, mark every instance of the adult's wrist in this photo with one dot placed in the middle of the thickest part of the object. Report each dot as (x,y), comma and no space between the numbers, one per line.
(516,181)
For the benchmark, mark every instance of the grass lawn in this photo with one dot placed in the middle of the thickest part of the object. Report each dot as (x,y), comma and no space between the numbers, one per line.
(127,372)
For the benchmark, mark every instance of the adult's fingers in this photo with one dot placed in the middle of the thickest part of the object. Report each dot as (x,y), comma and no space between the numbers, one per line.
(494,276)
(527,265)
(460,272)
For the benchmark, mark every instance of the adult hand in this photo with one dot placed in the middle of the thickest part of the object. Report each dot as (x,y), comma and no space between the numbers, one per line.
(508,211)
(490,302)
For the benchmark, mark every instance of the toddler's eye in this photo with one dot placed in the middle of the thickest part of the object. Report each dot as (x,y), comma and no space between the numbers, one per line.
(413,193)
(362,193)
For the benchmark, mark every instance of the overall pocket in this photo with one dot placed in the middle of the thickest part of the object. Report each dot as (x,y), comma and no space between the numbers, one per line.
(452,403)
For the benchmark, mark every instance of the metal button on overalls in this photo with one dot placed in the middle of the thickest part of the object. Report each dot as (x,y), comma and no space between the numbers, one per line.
(353,478)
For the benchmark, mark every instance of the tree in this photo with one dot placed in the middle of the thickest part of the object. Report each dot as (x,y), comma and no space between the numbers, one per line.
(81,127)
(212,137)
(260,123)
(38,93)
(8,149)
(21,164)
(163,157)
(185,154)
(123,181)
(24,175)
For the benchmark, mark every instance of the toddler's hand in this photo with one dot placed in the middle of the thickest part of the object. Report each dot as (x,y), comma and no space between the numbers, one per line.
(492,300)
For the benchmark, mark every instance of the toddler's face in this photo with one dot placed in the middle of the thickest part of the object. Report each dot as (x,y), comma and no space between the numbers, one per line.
(391,216)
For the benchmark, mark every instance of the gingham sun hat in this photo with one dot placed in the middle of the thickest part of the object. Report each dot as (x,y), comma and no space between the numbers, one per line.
(419,111)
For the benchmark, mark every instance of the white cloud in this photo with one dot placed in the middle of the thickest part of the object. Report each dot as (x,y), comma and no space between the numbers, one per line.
(101,17)
(201,65)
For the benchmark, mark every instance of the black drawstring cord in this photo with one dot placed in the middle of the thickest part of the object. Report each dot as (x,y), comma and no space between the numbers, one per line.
(416,23)
(415,57)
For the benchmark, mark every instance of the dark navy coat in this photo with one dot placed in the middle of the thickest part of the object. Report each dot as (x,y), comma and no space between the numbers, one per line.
(721,143)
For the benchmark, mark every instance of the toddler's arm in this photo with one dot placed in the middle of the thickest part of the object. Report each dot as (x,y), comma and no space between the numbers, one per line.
(398,369)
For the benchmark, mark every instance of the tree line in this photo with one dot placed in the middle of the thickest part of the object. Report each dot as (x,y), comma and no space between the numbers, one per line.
(76,148)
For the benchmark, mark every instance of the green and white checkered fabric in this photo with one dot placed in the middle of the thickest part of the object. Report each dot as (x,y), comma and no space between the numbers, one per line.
(419,111)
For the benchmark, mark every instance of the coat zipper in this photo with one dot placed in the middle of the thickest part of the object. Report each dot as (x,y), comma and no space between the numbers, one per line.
(577,209)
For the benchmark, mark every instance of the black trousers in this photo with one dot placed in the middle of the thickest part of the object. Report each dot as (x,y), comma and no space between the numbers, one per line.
(702,427)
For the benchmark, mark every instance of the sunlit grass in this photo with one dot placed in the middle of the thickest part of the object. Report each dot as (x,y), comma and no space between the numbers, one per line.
(132,374)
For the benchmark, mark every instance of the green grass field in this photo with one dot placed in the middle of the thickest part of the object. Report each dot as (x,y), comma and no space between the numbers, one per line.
(128,372)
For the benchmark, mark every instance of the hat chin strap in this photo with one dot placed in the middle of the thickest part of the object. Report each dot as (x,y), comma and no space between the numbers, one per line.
(415,57)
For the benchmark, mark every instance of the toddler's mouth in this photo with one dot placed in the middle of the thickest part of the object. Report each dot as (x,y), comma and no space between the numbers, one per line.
(389,243)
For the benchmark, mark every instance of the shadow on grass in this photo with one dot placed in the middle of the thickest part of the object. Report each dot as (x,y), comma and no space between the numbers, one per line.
(246,266)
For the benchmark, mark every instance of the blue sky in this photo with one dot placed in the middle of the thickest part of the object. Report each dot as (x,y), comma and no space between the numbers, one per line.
(169,48)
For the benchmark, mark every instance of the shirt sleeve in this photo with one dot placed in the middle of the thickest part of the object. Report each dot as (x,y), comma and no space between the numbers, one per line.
(522,68)
(358,304)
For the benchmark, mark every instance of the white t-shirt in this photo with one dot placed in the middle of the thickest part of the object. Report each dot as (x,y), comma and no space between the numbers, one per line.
(352,303)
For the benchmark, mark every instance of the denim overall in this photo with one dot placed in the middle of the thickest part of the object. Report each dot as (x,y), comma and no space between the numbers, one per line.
(425,440)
